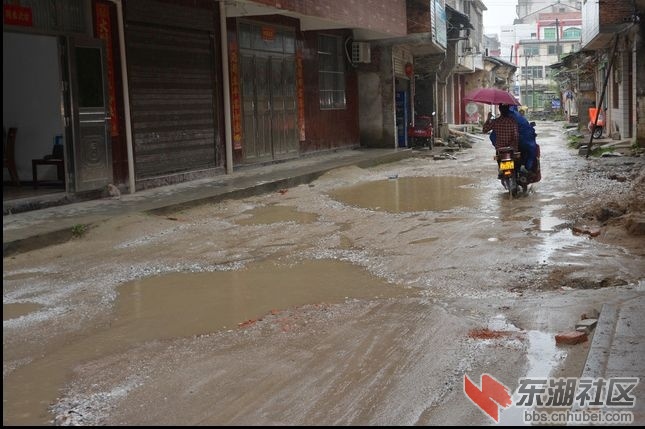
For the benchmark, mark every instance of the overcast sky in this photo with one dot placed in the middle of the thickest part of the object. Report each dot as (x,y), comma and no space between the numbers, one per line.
(500,12)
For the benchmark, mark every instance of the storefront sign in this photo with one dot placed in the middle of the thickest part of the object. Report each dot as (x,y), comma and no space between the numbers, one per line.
(300,92)
(236,102)
(18,15)
(268,34)
(104,32)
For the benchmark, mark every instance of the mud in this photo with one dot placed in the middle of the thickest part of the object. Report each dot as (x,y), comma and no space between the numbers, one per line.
(322,346)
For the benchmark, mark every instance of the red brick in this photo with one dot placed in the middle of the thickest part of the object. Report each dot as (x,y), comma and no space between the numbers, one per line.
(572,337)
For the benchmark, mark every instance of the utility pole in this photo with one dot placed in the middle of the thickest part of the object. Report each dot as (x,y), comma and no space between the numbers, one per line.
(526,77)
(557,38)
(533,89)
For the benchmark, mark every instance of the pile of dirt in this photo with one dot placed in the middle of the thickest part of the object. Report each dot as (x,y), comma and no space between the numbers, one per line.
(621,212)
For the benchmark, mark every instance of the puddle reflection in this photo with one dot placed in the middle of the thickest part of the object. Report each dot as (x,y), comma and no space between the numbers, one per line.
(410,194)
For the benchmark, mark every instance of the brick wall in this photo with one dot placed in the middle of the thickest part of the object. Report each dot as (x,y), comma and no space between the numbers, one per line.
(387,16)
(418,16)
(615,12)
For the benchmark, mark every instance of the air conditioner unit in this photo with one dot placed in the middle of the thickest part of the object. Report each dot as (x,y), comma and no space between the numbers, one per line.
(361,52)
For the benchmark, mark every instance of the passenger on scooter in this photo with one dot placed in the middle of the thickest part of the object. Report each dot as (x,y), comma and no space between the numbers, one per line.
(528,145)
(504,128)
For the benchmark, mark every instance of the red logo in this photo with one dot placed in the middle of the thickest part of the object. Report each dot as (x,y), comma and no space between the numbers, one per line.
(492,395)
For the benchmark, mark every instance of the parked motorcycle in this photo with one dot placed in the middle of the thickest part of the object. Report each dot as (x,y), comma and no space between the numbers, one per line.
(599,124)
(421,134)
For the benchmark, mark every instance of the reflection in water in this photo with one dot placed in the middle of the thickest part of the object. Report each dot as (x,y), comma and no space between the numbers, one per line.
(409,194)
(543,356)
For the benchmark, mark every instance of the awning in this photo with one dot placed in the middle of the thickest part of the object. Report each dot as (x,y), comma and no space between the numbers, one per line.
(457,20)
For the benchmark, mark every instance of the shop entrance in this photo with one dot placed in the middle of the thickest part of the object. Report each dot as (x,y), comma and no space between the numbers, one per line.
(54,97)
(267,58)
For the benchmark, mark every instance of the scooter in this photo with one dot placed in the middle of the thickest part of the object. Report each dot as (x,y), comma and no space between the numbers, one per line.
(421,134)
(508,161)
(600,123)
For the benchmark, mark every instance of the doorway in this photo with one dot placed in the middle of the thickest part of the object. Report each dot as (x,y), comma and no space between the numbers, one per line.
(402,108)
(269,102)
(31,103)
(54,95)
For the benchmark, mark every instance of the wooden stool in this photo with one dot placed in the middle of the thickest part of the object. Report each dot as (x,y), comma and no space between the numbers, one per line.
(59,163)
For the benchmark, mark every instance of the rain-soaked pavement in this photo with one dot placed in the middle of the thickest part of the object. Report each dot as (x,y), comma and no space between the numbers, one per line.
(350,300)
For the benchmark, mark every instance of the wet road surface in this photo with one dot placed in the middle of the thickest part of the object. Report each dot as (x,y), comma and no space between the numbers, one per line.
(346,301)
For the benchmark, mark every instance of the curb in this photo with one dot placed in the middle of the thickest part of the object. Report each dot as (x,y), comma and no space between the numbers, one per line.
(598,355)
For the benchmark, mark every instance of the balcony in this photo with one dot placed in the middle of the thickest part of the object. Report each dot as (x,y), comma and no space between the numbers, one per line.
(601,20)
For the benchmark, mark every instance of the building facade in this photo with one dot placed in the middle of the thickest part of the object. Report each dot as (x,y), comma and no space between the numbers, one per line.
(142,92)
(145,93)
(613,35)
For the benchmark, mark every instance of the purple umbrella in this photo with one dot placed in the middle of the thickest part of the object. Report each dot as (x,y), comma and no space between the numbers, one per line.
(491,96)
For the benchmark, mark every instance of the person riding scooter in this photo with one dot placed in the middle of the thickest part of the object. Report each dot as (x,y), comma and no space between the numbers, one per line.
(529,149)
(528,145)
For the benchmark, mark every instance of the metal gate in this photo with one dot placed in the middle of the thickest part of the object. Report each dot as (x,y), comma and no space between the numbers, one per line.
(269,101)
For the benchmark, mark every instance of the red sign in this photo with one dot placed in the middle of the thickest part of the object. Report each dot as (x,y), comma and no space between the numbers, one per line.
(103,31)
(236,102)
(409,70)
(18,15)
(300,93)
(268,34)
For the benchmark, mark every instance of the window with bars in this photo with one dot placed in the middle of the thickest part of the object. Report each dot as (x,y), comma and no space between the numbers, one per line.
(549,34)
(555,49)
(331,73)
(571,33)
(532,72)
(531,51)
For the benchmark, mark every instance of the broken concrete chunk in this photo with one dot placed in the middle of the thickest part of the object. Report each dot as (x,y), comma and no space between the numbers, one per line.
(583,329)
(587,323)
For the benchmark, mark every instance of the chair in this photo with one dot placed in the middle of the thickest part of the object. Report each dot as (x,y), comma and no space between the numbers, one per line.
(56,158)
(9,155)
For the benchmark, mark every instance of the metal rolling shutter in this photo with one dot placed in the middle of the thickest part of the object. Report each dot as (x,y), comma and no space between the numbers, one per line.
(171,76)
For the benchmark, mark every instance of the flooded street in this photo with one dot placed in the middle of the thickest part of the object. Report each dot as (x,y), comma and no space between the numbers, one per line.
(351,300)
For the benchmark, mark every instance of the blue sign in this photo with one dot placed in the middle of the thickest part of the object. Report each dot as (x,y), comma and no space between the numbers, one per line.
(555,104)
(440,26)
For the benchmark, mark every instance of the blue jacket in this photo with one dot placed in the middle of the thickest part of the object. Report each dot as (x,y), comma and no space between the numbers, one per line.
(528,145)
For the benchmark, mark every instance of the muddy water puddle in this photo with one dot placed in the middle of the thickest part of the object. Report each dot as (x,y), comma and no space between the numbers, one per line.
(276,214)
(543,357)
(16,310)
(182,305)
(410,194)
